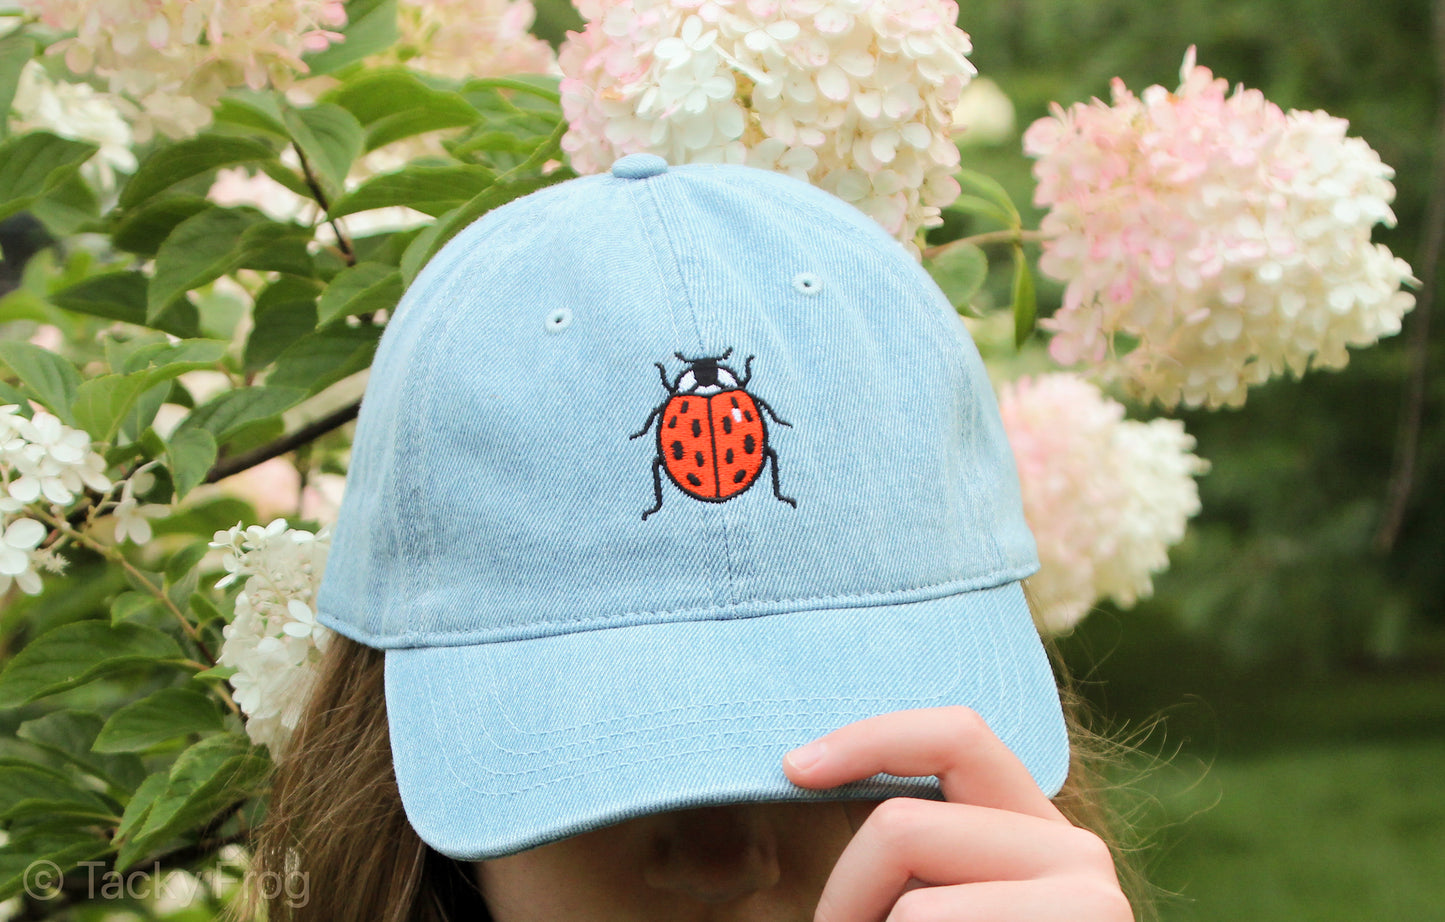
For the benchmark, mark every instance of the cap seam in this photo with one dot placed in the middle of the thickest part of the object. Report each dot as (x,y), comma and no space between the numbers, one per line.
(874,599)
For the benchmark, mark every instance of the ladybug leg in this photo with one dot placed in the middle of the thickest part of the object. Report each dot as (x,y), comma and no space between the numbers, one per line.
(762,403)
(657,487)
(773,456)
(665,383)
(648,425)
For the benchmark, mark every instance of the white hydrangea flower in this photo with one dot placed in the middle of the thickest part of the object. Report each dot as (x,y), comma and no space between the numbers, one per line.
(18,558)
(984,114)
(1105,497)
(49,457)
(853,96)
(130,515)
(274,642)
(77,111)
(1229,239)
(174,58)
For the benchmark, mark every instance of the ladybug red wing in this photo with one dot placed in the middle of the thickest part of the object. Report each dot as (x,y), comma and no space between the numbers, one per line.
(740,439)
(685,442)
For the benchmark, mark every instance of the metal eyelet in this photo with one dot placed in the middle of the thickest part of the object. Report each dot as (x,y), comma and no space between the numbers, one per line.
(558,320)
(807,283)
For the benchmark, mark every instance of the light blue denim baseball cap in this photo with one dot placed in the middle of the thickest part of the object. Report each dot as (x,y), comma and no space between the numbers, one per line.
(660,473)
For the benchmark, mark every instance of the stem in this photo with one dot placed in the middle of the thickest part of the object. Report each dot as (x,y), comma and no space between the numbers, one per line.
(1015,236)
(1412,409)
(225,467)
(114,554)
(320,196)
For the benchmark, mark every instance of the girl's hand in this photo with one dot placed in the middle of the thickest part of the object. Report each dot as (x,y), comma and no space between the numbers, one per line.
(995,850)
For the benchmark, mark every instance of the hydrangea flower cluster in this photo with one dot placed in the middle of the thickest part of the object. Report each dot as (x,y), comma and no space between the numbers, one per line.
(1104,496)
(40,458)
(274,642)
(1229,239)
(76,111)
(853,96)
(471,38)
(176,57)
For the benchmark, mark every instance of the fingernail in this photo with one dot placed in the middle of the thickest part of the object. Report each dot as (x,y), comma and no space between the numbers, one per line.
(807,756)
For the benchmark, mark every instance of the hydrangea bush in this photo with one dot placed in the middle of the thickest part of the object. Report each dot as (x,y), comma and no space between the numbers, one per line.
(241,192)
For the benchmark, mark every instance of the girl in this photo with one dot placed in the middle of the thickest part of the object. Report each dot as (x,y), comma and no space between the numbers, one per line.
(661,474)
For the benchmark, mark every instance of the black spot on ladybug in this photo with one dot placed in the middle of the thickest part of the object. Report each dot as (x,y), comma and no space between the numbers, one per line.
(749,444)
(728,425)
(677,450)
(672,423)
(735,401)
(700,459)
(738,477)
(696,428)
(748,415)
(692,479)
(683,408)
(728,458)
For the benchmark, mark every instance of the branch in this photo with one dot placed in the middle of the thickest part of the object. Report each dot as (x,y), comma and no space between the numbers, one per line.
(225,467)
(1014,236)
(317,193)
(1412,409)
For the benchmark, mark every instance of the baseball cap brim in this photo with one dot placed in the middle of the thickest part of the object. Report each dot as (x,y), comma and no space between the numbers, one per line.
(500,747)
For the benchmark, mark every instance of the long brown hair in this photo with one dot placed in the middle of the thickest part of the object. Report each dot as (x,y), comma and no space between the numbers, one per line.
(335,814)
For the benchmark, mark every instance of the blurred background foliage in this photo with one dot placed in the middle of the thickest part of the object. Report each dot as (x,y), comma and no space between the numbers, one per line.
(1298,664)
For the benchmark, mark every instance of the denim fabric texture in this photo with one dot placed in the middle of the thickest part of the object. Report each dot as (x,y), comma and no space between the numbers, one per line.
(563,653)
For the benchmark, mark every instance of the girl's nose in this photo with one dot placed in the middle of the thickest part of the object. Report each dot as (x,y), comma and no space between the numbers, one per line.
(714,854)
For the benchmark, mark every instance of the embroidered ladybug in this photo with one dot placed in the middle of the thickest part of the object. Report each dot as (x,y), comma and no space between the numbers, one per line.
(711,437)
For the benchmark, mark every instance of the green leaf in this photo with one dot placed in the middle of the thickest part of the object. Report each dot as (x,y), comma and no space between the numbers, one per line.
(396,103)
(180,161)
(45,847)
(199,250)
(992,191)
(166,360)
(284,312)
(101,403)
(431,190)
(122,296)
(426,245)
(1026,304)
(35,164)
(230,411)
(983,208)
(209,776)
(960,272)
(22,781)
(254,111)
(316,361)
(16,49)
(205,611)
(274,247)
(370,27)
(360,289)
(140,804)
(329,138)
(51,378)
(163,716)
(190,454)
(71,734)
(543,86)
(142,230)
(76,653)
(216,673)
(137,607)
(70,209)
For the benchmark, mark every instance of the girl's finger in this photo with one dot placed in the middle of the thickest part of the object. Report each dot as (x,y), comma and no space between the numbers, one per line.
(1050,900)
(954,743)
(907,839)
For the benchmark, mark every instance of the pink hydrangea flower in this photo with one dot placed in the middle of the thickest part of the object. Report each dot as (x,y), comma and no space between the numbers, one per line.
(1230,239)
(1105,497)
(853,96)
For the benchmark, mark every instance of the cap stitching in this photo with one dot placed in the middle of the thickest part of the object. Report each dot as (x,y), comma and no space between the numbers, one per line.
(986,581)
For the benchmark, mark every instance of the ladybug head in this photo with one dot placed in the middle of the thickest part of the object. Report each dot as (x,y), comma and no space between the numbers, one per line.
(705,375)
